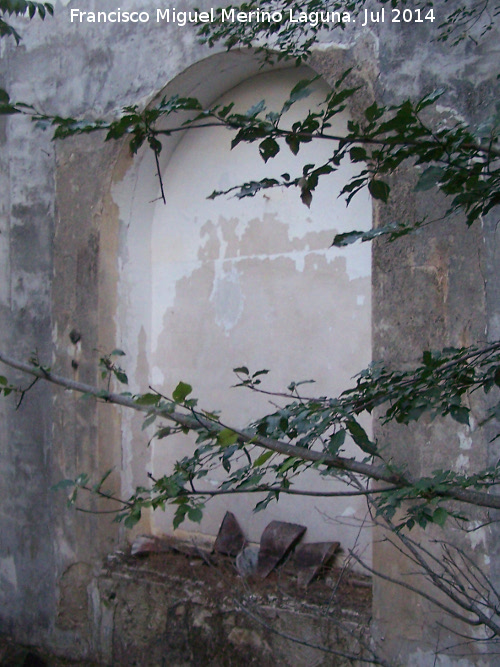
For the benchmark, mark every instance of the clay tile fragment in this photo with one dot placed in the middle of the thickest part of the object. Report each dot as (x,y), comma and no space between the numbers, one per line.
(311,558)
(230,540)
(278,538)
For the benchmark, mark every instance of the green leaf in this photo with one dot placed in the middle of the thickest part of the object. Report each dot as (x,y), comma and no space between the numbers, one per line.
(133,518)
(306,196)
(460,414)
(379,190)
(336,442)
(357,154)
(252,482)
(360,437)
(180,515)
(181,392)
(8,109)
(241,369)
(429,178)
(262,505)
(195,514)
(439,516)
(301,90)
(260,460)
(268,148)
(347,238)
(374,112)
(227,437)
(120,376)
(289,463)
(256,109)
(148,399)
(148,421)
(293,143)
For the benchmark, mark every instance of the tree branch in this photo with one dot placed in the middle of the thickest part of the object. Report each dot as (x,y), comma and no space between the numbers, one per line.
(379,473)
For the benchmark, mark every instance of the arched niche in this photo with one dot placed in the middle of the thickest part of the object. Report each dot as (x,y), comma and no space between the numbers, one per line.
(208,285)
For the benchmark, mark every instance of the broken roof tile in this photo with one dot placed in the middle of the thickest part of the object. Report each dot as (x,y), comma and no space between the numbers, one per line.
(311,558)
(230,539)
(278,538)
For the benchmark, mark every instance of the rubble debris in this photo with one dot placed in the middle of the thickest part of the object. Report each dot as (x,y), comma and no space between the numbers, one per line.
(310,558)
(246,561)
(144,545)
(230,540)
(248,640)
(277,540)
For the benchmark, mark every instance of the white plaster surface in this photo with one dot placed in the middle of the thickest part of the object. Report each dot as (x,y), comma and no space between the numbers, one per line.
(253,282)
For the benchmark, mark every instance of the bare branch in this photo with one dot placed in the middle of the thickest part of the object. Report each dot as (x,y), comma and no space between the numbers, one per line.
(350,656)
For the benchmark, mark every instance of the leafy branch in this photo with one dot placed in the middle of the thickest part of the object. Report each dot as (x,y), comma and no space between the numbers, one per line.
(463,164)
(277,39)
(312,432)
(21,8)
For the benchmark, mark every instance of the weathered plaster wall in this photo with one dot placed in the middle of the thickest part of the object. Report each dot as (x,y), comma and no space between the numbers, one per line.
(63,230)
(26,229)
(57,269)
(436,288)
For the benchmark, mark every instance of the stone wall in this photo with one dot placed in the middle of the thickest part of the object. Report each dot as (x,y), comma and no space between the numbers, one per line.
(63,239)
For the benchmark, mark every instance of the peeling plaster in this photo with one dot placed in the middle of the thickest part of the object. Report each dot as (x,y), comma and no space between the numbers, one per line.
(465,440)
(227,299)
(477,535)
(157,375)
(223,283)
(462,463)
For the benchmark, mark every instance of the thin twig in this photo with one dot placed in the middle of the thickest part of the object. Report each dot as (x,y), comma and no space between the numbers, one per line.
(350,656)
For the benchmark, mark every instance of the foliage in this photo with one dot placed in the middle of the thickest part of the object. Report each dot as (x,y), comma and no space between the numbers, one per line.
(310,432)
(462,163)
(5,387)
(21,8)
(110,368)
(320,426)
(280,39)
